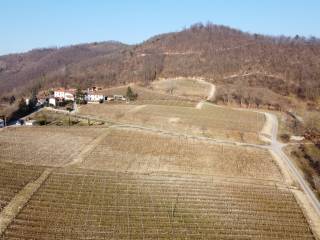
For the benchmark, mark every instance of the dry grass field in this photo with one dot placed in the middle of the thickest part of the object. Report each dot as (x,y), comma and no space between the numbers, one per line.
(189,88)
(13,177)
(82,204)
(143,93)
(210,121)
(144,152)
(48,146)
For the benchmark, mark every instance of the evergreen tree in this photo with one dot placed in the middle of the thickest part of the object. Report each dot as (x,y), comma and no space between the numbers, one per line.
(131,95)
(23,107)
(79,96)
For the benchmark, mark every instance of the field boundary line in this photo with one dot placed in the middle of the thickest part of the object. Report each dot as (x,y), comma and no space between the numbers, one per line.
(193,137)
(20,200)
(77,115)
(88,149)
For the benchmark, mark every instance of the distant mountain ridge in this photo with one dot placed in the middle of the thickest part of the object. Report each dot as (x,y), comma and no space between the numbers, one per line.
(283,65)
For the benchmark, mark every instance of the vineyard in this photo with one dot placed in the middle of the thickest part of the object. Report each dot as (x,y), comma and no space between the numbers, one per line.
(126,150)
(161,168)
(13,177)
(211,121)
(82,204)
(47,146)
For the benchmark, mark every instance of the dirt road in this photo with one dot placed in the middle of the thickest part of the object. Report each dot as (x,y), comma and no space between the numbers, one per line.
(211,94)
(276,147)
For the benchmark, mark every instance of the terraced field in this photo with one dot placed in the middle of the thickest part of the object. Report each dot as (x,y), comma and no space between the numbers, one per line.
(211,121)
(81,204)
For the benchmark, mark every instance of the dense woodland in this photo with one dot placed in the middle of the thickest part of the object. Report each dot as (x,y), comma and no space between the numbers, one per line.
(242,65)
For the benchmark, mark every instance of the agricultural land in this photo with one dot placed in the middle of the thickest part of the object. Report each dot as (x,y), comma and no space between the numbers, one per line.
(170,165)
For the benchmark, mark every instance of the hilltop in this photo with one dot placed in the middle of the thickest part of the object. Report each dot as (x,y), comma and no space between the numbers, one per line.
(247,68)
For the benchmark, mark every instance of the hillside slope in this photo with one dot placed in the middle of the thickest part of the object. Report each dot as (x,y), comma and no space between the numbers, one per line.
(225,56)
(21,70)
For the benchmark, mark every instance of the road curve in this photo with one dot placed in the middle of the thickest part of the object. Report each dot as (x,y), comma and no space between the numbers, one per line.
(276,147)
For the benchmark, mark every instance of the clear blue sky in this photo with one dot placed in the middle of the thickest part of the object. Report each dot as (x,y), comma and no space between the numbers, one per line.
(28,24)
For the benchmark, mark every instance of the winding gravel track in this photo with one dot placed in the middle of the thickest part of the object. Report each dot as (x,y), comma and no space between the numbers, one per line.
(276,147)
(211,94)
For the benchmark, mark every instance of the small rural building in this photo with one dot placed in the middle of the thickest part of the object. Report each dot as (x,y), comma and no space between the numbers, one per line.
(52,101)
(19,122)
(94,89)
(30,122)
(109,99)
(94,97)
(119,98)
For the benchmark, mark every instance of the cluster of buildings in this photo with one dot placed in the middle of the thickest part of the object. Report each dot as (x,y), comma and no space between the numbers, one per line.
(91,95)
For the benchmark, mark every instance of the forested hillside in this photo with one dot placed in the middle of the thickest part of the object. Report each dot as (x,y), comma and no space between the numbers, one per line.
(241,64)
(18,71)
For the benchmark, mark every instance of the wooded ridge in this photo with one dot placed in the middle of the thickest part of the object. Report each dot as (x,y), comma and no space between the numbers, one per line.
(286,66)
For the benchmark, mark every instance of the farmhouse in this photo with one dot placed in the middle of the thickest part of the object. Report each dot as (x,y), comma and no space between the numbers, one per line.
(65,94)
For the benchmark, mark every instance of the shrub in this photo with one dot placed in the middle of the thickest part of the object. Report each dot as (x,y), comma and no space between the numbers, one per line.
(285,137)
